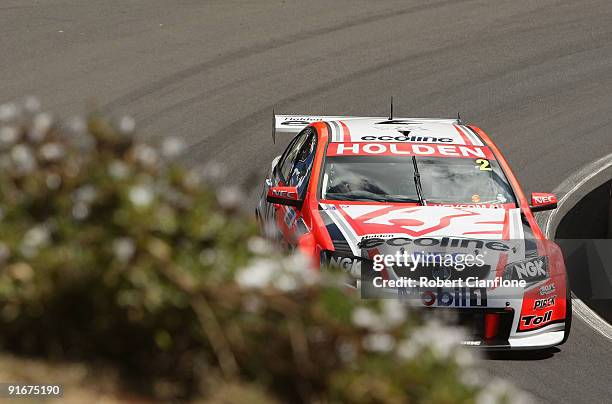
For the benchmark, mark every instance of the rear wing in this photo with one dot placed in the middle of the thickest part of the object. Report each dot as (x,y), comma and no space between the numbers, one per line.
(293,124)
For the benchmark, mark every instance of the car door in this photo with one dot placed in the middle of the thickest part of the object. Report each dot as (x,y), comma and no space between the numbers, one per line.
(294,170)
(274,179)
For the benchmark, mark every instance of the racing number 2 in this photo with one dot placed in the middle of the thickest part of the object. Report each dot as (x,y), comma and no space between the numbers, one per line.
(484,165)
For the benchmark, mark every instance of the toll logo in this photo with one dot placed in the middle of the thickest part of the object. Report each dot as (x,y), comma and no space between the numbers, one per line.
(534,320)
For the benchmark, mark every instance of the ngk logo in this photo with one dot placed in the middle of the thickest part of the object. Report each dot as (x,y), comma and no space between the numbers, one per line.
(530,269)
(344,263)
(533,270)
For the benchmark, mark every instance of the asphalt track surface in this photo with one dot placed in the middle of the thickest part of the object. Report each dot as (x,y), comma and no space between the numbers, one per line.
(537,76)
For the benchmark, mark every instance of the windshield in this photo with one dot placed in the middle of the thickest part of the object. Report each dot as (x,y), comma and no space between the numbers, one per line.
(391,179)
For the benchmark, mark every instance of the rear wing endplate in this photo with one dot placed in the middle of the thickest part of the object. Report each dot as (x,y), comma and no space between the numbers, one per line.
(293,124)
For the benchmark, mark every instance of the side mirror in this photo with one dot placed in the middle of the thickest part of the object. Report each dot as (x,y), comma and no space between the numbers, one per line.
(284,196)
(541,201)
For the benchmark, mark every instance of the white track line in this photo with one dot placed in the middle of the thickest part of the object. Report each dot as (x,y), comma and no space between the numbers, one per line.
(579,308)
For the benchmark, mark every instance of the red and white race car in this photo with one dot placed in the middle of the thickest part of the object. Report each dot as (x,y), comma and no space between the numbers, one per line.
(363,193)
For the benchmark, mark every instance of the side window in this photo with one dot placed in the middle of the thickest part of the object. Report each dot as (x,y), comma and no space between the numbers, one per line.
(303,163)
(286,163)
(283,158)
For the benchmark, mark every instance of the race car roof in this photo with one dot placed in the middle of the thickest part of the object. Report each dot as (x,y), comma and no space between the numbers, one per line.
(382,129)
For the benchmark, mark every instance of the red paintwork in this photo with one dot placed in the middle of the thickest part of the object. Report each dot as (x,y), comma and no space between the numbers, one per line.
(318,239)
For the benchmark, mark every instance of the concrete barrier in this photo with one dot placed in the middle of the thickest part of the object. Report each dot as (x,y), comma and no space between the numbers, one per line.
(582,226)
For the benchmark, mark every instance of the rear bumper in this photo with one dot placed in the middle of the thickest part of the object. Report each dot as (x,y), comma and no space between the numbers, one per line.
(546,337)
(502,337)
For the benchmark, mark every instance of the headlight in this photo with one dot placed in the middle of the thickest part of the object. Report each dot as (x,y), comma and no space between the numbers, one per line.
(532,270)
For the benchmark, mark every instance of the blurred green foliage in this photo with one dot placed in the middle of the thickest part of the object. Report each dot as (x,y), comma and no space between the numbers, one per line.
(110,253)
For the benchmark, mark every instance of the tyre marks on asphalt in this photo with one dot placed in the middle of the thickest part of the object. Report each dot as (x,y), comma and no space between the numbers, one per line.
(265,46)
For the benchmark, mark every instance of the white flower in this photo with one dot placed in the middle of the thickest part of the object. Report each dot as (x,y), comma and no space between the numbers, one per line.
(498,390)
(407,349)
(124,248)
(34,239)
(285,274)
(285,282)
(53,181)
(394,313)
(31,104)
(23,158)
(443,341)
(259,246)
(126,125)
(8,136)
(473,378)
(347,352)
(172,147)
(8,112)
(465,357)
(52,151)
(193,178)
(145,154)
(379,342)
(213,172)
(230,197)
(76,125)
(86,194)
(295,272)
(366,318)
(118,170)
(300,267)
(208,256)
(141,196)
(80,210)
(270,230)
(41,124)
(258,275)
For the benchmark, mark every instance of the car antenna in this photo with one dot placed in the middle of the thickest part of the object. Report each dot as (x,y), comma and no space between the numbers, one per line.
(391,112)
(459,118)
(273,127)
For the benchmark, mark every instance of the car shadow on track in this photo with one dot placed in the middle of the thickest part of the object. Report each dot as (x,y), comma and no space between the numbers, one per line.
(526,355)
